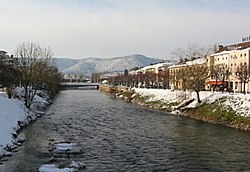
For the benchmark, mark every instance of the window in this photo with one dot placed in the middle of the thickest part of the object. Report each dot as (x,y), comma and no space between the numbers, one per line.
(245,54)
(240,55)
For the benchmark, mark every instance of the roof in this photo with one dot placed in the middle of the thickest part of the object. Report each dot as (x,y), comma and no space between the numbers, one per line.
(189,63)
(234,46)
(230,51)
(165,64)
(3,51)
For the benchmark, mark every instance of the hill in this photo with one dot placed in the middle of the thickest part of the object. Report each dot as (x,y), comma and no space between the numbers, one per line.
(103,65)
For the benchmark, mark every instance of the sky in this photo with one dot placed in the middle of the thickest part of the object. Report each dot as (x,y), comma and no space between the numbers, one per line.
(111,28)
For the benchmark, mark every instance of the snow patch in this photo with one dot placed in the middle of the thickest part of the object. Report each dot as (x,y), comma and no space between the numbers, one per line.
(65,148)
(54,168)
(73,167)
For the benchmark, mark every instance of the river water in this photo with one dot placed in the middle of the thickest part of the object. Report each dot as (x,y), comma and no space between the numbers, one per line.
(118,136)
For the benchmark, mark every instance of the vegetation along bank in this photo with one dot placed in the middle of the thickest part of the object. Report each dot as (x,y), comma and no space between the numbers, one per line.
(218,108)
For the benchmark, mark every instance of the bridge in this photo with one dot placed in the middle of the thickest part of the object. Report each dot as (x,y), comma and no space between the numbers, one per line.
(79,85)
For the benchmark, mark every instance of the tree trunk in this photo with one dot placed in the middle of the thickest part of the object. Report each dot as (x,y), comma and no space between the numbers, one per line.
(26,96)
(9,92)
(244,87)
(223,87)
(198,97)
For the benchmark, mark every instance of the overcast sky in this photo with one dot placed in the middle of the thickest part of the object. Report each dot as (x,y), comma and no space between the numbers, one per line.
(109,28)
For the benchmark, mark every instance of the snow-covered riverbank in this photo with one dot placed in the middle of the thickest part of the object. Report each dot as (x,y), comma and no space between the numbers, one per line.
(239,103)
(13,116)
(216,107)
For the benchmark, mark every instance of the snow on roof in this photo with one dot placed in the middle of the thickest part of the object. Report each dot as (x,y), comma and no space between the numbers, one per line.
(221,53)
(178,65)
(3,51)
(230,51)
(198,61)
(165,64)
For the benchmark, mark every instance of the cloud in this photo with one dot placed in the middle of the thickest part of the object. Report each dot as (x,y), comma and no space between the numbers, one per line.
(114,28)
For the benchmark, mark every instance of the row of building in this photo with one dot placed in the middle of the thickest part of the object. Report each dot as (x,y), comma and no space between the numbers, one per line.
(230,59)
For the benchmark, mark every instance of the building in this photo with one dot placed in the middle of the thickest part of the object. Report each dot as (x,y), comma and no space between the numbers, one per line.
(74,77)
(178,72)
(6,59)
(154,75)
(231,60)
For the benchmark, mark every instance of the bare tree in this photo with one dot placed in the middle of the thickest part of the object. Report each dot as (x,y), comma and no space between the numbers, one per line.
(182,79)
(220,73)
(163,78)
(178,54)
(96,77)
(131,80)
(243,75)
(33,61)
(191,52)
(196,71)
(194,52)
(197,74)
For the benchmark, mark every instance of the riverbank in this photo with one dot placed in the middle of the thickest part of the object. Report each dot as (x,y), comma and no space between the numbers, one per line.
(14,116)
(217,108)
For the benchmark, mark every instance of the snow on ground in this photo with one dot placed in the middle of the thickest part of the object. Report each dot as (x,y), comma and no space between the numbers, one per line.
(12,112)
(159,94)
(66,148)
(169,95)
(74,166)
(54,168)
(239,103)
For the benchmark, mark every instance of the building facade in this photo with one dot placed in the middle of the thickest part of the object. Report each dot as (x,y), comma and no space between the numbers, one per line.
(6,59)
(234,64)
(178,73)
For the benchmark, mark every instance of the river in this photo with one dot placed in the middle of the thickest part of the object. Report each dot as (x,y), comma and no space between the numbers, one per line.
(115,135)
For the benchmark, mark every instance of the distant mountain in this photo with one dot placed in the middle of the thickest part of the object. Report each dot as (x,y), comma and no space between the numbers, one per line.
(65,63)
(103,65)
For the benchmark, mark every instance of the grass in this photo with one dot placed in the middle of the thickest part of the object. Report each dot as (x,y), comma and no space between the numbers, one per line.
(215,113)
